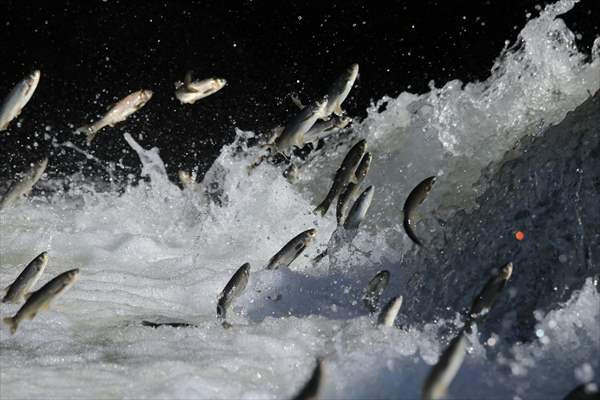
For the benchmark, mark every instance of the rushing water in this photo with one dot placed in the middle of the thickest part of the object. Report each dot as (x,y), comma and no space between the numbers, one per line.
(150,251)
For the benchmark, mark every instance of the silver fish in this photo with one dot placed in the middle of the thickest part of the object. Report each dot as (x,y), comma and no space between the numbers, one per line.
(18,98)
(292,249)
(234,288)
(486,299)
(186,179)
(388,314)
(170,324)
(311,389)
(190,91)
(348,196)
(444,371)
(322,129)
(41,299)
(117,113)
(358,211)
(23,186)
(293,133)
(339,91)
(585,391)
(416,197)
(27,279)
(375,289)
(292,173)
(344,174)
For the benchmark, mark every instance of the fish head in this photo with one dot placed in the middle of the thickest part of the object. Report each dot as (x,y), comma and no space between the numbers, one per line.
(506,271)
(146,95)
(430,182)
(352,73)
(72,275)
(361,146)
(43,258)
(311,234)
(246,269)
(219,83)
(34,78)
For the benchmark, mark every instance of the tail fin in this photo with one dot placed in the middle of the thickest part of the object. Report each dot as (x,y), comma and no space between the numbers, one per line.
(89,131)
(323,207)
(12,323)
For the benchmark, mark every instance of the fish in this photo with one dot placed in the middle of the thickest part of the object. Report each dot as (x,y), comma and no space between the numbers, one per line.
(375,289)
(292,249)
(344,175)
(311,389)
(292,173)
(24,185)
(486,299)
(389,312)
(358,211)
(443,372)
(585,391)
(117,113)
(190,91)
(294,131)
(322,129)
(27,279)
(41,299)
(416,197)
(186,179)
(18,97)
(170,324)
(339,90)
(234,288)
(349,194)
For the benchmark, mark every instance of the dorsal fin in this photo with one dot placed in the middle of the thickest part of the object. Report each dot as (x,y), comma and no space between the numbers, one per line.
(187,81)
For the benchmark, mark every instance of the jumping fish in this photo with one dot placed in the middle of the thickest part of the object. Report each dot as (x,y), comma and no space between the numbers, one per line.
(186,179)
(170,324)
(442,373)
(27,279)
(322,129)
(358,211)
(41,299)
(234,288)
(388,314)
(339,90)
(486,299)
(18,98)
(310,390)
(375,289)
(23,186)
(416,197)
(293,133)
(344,174)
(289,252)
(349,194)
(117,113)
(190,91)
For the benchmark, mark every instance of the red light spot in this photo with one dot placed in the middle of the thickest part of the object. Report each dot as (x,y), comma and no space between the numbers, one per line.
(519,235)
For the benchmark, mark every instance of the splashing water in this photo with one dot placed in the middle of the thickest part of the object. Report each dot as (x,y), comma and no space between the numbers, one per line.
(152,251)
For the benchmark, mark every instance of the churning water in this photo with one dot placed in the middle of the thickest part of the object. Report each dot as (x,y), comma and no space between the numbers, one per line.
(150,251)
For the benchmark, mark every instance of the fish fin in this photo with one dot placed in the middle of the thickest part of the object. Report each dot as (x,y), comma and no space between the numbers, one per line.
(296,100)
(338,110)
(11,322)
(187,81)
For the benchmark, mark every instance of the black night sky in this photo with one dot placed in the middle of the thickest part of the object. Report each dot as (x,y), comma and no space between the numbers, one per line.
(94,52)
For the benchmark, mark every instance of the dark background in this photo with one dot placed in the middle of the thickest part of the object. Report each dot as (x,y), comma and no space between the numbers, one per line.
(94,52)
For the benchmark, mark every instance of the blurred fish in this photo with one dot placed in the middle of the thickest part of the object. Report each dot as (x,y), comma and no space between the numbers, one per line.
(344,174)
(486,299)
(388,314)
(190,91)
(358,211)
(170,324)
(23,186)
(375,289)
(311,389)
(293,133)
(117,113)
(234,288)
(444,371)
(18,98)
(186,179)
(585,391)
(291,173)
(41,299)
(349,194)
(289,252)
(416,197)
(16,291)
(339,91)
(322,129)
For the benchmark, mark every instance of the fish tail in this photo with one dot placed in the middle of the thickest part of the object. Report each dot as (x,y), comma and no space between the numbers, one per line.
(12,324)
(89,131)
(411,234)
